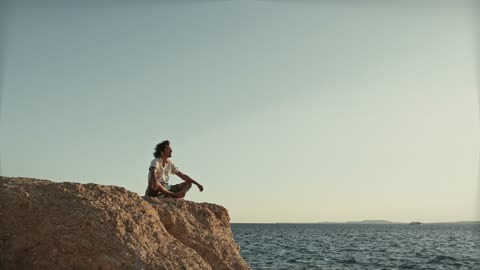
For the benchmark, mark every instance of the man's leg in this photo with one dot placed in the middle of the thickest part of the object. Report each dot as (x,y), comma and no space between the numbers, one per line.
(151,193)
(181,188)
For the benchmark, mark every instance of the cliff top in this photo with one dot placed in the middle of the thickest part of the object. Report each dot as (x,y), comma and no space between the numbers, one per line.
(50,225)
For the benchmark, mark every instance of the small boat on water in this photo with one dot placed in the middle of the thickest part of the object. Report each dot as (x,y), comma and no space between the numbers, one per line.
(415,223)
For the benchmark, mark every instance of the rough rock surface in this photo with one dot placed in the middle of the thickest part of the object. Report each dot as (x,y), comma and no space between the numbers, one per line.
(49,225)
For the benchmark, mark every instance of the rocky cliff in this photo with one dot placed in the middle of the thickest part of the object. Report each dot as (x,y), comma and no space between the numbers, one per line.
(49,225)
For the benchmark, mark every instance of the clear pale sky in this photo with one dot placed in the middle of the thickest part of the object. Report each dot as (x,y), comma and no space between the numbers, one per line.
(285,112)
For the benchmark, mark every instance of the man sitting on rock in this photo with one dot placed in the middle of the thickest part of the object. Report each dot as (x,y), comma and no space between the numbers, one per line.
(159,172)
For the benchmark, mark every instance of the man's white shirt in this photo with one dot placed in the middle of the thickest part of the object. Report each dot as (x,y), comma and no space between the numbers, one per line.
(162,173)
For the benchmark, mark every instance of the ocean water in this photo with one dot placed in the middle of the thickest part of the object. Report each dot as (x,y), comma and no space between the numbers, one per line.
(359,246)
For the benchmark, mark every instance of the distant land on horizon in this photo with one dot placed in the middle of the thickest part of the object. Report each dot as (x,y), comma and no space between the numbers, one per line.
(365,222)
(373,221)
(393,222)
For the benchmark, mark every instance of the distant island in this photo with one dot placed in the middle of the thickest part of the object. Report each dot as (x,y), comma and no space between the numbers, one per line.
(381,221)
(374,221)
(369,221)
(415,223)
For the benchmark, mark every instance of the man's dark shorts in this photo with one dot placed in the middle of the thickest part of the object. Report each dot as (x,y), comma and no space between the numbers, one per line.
(173,188)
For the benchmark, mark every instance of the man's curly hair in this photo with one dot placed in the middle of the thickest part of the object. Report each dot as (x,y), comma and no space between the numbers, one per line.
(160,148)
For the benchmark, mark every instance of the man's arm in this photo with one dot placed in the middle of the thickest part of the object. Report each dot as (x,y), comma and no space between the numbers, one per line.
(152,182)
(187,178)
(155,186)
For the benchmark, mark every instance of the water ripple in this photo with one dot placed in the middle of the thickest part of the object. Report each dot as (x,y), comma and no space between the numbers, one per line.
(353,246)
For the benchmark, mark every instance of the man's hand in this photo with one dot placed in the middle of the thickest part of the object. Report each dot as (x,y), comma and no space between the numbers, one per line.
(200,187)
